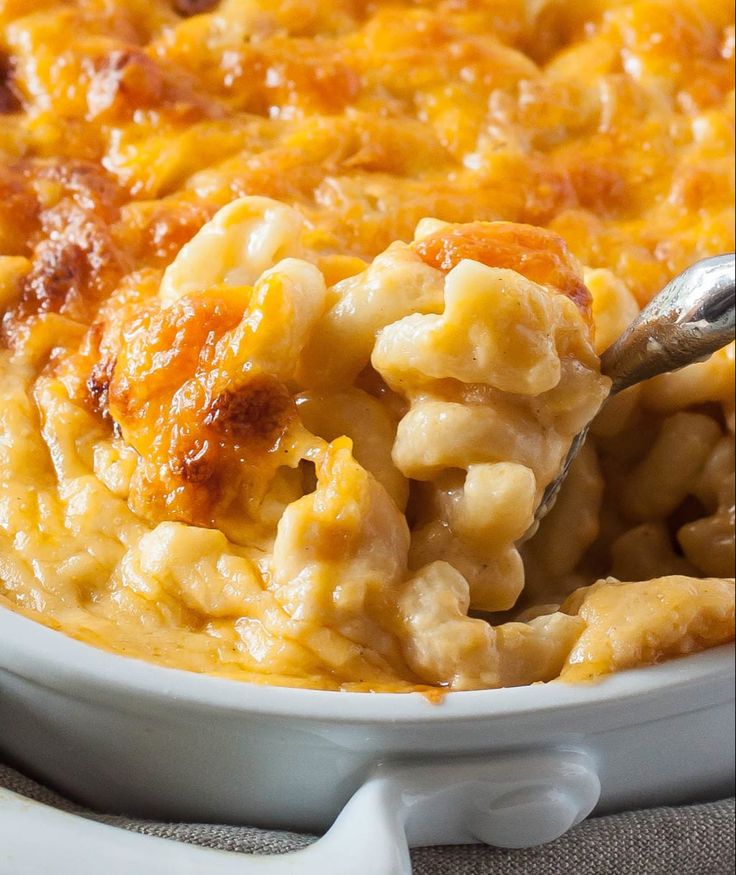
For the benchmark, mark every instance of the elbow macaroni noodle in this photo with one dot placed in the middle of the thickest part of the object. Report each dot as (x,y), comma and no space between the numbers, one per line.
(261,417)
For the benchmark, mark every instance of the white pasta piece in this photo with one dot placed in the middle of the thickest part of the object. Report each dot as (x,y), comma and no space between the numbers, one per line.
(479,520)
(536,650)
(86,499)
(367,423)
(427,227)
(614,307)
(70,432)
(445,646)
(442,644)
(495,505)
(659,483)
(711,380)
(194,566)
(114,465)
(573,523)
(286,303)
(715,486)
(235,247)
(23,453)
(339,546)
(495,329)
(435,435)
(709,542)
(46,335)
(397,283)
(646,552)
(268,645)
(576,399)
(495,575)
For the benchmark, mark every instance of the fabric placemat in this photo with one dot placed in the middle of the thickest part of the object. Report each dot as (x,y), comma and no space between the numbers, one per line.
(686,840)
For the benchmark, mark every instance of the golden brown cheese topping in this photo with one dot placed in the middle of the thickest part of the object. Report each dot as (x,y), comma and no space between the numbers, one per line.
(295,332)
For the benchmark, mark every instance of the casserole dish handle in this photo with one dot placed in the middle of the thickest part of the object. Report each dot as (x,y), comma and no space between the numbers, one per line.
(511,801)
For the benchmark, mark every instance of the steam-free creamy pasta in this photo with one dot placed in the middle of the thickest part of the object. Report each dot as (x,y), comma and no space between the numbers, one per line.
(302,305)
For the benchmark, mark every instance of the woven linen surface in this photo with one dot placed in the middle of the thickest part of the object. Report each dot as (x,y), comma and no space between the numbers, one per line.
(687,840)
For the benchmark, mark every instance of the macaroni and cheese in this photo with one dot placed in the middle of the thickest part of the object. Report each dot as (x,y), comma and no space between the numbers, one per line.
(302,305)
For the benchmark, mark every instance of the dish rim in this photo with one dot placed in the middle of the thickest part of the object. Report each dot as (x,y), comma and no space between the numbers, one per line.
(48,656)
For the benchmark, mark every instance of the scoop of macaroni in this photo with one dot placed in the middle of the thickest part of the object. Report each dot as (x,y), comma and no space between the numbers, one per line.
(302,306)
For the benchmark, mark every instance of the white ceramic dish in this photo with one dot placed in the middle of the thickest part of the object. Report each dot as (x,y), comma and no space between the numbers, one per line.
(510,767)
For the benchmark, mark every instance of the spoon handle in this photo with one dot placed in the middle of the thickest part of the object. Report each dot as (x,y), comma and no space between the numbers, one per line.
(687,321)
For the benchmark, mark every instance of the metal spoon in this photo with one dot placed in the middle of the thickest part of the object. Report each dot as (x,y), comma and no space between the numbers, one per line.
(691,318)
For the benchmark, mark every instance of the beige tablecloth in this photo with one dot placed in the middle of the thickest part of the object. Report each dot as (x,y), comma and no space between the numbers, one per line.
(687,840)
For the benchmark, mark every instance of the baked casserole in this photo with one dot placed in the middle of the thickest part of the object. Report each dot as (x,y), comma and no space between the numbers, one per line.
(302,305)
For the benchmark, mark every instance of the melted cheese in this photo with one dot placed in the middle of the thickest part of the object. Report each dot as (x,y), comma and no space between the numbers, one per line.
(295,331)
